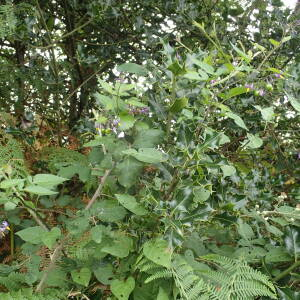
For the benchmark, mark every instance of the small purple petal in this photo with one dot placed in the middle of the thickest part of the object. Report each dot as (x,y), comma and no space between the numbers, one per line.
(249,86)
(277,75)
(261,93)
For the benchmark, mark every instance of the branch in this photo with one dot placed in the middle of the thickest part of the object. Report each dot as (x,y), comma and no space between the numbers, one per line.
(99,189)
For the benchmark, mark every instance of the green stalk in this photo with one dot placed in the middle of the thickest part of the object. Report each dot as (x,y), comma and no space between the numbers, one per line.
(287,271)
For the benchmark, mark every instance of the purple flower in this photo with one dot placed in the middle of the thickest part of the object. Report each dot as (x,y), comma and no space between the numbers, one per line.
(4,227)
(261,93)
(277,75)
(115,122)
(249,86)
(213,81)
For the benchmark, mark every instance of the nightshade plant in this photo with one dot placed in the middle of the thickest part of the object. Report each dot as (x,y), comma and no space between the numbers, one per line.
(187,189)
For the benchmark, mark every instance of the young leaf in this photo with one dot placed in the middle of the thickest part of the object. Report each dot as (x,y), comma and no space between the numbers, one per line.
(122,288)
(228,170)
(149,155)
(132,68)
(39,190)
(8,183)
(49,238)
(48,180)
(237,120)
(130,203)
(82,276)
(158,251)
(294,102)
(178,105)
(254,141)
(32,234)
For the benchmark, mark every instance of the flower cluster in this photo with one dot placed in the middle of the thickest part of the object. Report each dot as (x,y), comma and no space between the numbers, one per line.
(4,227)
(139,111)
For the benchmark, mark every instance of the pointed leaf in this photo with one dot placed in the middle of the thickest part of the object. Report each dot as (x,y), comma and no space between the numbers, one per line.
(122,288)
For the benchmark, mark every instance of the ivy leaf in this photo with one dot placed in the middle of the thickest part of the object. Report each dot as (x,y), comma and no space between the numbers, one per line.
(49,238)
(48,180)
(32,234)
(158,251)
(131,204)
(122,288)
(237,120)
(82,276)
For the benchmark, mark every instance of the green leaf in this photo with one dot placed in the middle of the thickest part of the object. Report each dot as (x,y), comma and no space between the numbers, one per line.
(162,294)
(82,276)
(120,247)
(32,234)
(122,288)
(277,254)
(204,66)
(109,211)
(237,120)
(158,251)
(131,204)
(254,141)
(128,171)
(49,238)
(105,273)
(286,39)
(94,143)
(294,102)
(177,69)
(38,190)
(201,194)
(235,92)
(178,105)
(246,57)
(274,230)
(148,138)
(292,241)
(132,68)
(228,170)
(126,121)
(8,183)
(148,155)
(267,113)
(274,43)
(245,230)
(48,180)
(97,233)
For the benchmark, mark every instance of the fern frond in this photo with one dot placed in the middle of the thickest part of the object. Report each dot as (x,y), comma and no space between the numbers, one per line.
(28,294)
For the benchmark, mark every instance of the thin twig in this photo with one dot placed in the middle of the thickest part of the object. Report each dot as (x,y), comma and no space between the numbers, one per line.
(98,191)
